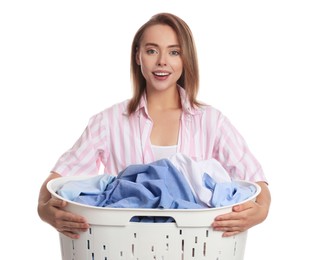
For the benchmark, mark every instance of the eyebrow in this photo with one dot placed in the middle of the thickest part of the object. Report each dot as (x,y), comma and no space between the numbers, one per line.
(169,46)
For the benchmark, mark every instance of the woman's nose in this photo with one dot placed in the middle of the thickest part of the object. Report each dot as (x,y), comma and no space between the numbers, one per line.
(161,59)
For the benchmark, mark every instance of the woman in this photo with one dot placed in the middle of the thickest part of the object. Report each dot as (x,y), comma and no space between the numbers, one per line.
(163,117)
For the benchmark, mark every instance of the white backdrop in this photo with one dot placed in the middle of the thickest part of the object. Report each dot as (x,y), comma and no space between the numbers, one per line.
(63,61)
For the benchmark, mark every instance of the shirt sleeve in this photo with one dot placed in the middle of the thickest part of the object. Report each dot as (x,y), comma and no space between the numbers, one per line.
(86,155)
(234,154)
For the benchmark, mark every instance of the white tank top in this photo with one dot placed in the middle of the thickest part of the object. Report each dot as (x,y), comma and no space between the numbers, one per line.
(163,152)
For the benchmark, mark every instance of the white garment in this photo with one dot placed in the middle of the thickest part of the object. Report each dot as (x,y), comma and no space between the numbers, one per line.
(194,172)
(163,152)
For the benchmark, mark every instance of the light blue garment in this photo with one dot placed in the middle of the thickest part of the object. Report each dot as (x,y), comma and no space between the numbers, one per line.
(73,189)
(227,193)
(155,185)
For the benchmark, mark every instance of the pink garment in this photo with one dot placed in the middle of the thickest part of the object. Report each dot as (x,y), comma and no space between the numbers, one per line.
(117,140)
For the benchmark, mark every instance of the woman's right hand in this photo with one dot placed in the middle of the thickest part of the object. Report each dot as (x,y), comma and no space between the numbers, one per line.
(52,210)
(67,223)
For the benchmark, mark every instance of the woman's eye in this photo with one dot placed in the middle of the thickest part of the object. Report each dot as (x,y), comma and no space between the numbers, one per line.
(175,53)
(151,51)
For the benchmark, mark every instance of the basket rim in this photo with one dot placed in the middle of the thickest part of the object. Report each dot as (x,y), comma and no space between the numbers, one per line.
(55,183)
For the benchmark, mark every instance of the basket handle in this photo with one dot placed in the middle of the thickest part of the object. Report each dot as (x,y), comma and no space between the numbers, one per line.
(123,216)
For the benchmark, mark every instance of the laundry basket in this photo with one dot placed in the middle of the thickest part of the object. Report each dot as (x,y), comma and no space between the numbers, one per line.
(112,236)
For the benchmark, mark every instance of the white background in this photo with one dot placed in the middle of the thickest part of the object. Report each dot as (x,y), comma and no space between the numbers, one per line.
(63,61)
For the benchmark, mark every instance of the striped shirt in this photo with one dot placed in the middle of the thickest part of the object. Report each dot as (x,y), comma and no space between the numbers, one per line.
(116,140)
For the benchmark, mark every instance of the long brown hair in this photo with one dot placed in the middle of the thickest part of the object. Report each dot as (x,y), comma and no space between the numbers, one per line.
(189,79)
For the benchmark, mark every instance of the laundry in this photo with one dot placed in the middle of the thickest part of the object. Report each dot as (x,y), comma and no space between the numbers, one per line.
(227,193)
(85,191)
(155,185)
(174,183)
(194,172)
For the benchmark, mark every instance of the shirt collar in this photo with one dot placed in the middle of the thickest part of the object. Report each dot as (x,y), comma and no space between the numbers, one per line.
(187,108)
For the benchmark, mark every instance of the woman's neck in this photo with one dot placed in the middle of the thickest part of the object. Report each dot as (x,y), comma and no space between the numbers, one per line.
(164,108)
(163,100)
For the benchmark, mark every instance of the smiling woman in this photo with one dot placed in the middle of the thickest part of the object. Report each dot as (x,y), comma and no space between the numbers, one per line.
(163,112)
(159,58)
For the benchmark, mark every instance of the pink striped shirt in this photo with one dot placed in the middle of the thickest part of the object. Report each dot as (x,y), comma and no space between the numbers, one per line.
(116,140)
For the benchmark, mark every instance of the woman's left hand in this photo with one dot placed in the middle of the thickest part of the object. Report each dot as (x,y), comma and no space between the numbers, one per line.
(244,216)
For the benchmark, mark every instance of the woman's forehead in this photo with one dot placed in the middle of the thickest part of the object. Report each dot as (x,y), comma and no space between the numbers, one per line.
(159,34)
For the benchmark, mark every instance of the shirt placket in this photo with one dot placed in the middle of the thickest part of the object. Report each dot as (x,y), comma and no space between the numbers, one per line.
(145,128)
(184,138)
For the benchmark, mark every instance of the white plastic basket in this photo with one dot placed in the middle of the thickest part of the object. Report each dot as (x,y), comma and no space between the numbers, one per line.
(112,236)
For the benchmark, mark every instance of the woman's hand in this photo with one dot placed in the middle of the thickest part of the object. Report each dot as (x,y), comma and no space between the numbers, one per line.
(244,216)
(67,223)
(52,211)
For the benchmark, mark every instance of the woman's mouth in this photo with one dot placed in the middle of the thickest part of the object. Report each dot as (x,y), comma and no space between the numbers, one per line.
(161,75)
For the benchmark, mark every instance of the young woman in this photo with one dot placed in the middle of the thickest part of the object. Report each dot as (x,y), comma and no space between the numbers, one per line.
(162,118)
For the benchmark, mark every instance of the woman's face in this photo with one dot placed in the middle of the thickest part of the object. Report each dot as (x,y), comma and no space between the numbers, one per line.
(159,56)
